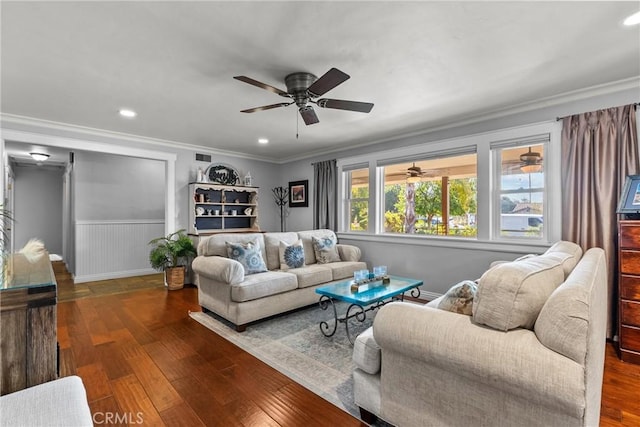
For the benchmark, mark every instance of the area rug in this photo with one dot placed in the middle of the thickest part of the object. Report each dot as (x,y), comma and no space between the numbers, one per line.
(293,344)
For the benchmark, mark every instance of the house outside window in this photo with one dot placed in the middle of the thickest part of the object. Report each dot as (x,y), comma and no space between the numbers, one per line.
(358,201)
(435,197)
(521,189)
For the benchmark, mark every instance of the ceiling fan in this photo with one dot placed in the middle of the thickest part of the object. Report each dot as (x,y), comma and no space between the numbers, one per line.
(530,162)
(414,173)
(303,88)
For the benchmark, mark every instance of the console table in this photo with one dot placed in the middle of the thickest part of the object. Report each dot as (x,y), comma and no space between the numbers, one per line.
(28,338)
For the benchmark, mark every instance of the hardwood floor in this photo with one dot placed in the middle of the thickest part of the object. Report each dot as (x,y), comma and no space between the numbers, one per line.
(142,358)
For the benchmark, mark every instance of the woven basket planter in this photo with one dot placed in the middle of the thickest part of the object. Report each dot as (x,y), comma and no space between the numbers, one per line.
(174,278)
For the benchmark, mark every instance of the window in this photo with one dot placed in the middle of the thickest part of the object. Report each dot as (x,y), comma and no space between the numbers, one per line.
(435,196)
(521,191)
(358,202)
(489,190)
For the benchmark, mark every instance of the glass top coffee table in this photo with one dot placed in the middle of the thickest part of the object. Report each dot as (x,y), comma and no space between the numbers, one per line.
(368,297)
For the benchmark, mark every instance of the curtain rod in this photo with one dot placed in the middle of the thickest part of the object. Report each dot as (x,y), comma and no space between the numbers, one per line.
(635,104)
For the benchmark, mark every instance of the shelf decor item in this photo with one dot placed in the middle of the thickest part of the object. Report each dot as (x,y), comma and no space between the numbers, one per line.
(170,254)
(222,174)
(281,196)
(299,194)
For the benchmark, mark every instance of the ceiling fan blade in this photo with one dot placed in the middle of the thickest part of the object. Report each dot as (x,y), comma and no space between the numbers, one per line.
(261,85)
(340,104)
(266,107)
(328,81)
(308,115)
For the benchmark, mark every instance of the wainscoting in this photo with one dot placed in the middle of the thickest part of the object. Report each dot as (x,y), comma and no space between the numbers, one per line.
(113,249)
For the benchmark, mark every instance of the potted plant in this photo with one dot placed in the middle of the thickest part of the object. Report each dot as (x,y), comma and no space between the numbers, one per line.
(170,254)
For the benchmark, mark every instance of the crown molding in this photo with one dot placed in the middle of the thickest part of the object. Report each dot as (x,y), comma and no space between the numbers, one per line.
(79,132)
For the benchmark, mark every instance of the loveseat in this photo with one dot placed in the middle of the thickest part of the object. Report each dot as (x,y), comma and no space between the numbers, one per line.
(236,293)
(530,354)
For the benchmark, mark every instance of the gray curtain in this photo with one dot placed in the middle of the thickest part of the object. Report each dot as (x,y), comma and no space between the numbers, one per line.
(325,213)
(599,149)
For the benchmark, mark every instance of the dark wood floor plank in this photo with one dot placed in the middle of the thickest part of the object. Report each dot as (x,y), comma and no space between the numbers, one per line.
(134,401)
(156,385)
(104,412)
(96,381)
(181,416)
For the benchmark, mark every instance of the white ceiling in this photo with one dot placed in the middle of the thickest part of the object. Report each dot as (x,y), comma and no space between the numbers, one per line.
(423,64)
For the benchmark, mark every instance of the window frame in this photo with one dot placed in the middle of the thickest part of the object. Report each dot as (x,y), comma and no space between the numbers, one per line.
(487,189)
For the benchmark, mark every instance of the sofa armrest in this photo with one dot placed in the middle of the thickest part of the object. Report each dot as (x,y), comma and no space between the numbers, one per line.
(219,268)
(349,252)
(513,361)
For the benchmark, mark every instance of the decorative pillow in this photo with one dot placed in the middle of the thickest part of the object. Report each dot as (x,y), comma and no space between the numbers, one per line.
(291,256)
(459,298)
(325,249)
(248,254)
(511,295)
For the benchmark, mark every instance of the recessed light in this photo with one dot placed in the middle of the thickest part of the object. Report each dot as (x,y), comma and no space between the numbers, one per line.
(263,140)
(633,19)
(39,157)
(127,113)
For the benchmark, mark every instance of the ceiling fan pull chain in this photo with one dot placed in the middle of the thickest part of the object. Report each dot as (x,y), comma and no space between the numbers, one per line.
(297,124)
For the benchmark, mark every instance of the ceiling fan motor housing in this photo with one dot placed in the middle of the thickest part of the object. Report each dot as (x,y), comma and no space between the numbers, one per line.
(297,85)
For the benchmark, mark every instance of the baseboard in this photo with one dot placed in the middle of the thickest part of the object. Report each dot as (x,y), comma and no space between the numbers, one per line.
(113,275)
(429,296)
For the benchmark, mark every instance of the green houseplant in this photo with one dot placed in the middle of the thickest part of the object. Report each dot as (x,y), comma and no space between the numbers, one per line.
(170,254)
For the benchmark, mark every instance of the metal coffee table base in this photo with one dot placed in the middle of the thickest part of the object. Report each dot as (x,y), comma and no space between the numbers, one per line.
(353,311)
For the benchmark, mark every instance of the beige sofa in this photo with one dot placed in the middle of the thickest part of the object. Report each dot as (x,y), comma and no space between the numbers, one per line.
(532,353)
(225,289)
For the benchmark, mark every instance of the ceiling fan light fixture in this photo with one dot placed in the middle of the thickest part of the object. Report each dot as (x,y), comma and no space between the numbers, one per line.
(414,179)
(39,157)
(263,141)
(531,168)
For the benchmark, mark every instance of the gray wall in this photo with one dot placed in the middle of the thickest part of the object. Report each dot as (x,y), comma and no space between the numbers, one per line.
(38,206)
(109,187)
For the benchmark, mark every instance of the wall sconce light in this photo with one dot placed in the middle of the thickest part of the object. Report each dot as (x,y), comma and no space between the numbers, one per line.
(39,157)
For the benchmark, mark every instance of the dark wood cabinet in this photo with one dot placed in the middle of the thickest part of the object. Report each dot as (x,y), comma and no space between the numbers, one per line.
(28,338)
(629,289)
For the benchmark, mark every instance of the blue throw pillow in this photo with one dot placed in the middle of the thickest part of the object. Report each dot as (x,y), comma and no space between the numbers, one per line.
(248,254)
(291,256)
(325,249)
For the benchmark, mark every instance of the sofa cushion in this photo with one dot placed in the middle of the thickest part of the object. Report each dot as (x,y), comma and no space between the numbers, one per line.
(216,244)
(345,269)
(248,254)
(325,250)
(291,255)
(272,247)
(366,352)
(568,253)
(263,284)
(311,275)
(306,236)
(511,295)
(459,298)
(564,320)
